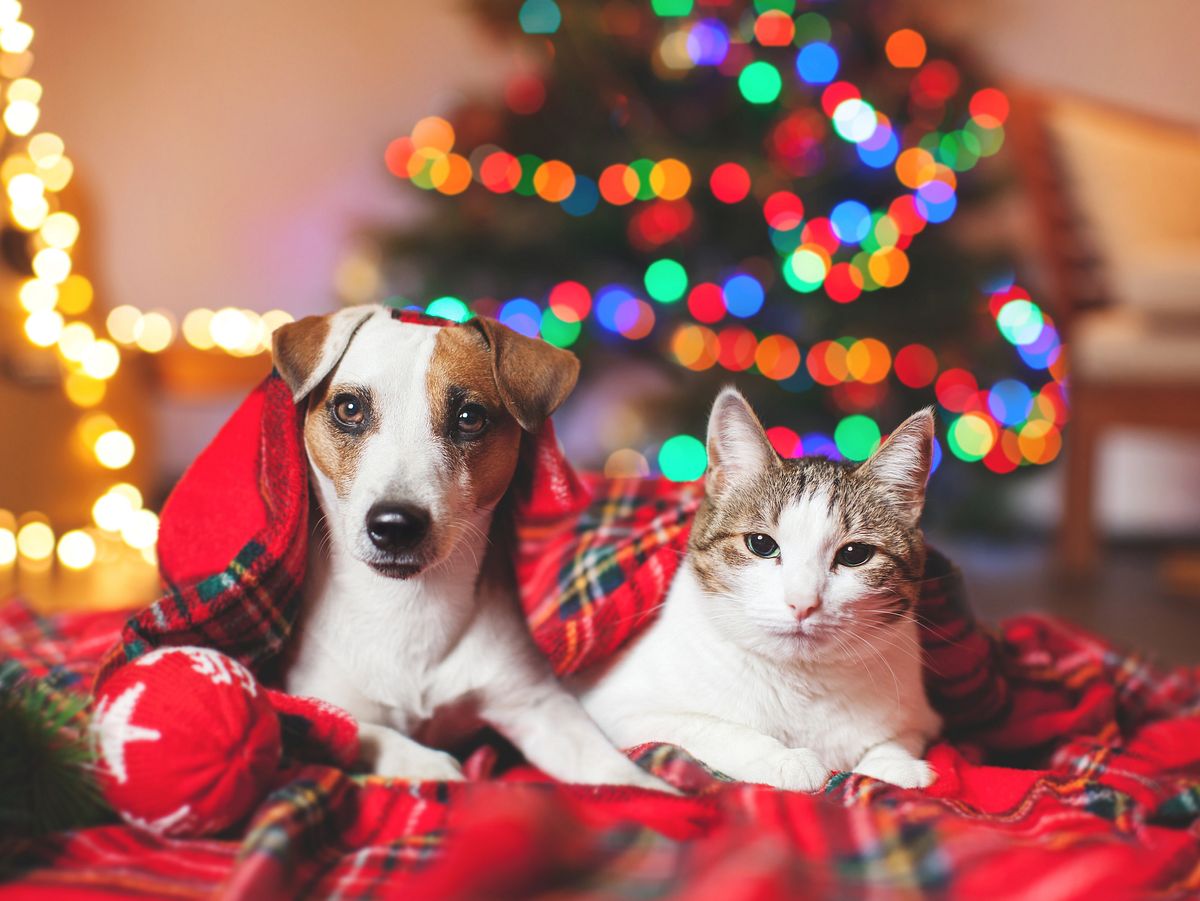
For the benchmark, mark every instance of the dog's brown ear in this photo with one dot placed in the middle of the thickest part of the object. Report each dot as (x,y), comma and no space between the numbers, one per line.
(306,351)
(533,377)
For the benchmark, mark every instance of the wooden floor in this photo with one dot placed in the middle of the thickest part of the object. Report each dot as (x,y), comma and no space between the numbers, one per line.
(1127,598)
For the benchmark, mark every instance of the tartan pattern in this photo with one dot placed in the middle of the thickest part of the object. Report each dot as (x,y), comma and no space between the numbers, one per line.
(1064,750)
(590,581)
(1086,785)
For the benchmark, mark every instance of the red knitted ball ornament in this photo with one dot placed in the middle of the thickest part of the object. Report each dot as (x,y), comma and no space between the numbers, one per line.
(187,739)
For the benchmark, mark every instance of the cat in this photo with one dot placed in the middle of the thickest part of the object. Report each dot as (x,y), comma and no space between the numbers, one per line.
(787,646)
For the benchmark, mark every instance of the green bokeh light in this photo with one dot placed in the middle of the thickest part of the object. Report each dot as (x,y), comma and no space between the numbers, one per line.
(682,458)
(856,437)
(812,27)
(760,82)
(671,7)
(539,17)
(558,332)
(449,308)
(666,280)
(969,438)
(643,168)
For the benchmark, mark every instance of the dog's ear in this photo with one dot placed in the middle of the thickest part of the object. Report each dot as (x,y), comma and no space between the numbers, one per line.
(306,351)
(533,377)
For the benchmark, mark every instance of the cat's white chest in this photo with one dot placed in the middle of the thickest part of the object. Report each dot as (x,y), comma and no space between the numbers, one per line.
(682,673)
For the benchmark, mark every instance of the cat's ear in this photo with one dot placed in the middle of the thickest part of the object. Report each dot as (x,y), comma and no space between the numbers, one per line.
(737,445)
(901,464)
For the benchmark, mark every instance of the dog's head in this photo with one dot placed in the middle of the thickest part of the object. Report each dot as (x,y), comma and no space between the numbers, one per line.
(413,432)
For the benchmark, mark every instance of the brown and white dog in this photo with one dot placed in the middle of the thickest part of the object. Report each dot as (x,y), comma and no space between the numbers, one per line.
(413,436)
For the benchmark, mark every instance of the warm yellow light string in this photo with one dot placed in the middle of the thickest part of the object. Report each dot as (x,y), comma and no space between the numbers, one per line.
(34,170)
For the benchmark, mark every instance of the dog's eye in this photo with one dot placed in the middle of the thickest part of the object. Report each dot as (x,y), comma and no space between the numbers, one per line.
(855,554)
(349,410)
(761,545)
(471,420)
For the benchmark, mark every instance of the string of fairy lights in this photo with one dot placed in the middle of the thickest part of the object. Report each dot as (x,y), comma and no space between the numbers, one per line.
(54,303)
(844,252)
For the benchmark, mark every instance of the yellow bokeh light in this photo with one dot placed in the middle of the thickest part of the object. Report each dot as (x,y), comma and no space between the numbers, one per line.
(114,507)
(16,37)
(52,264)
(35,541)
(434,132)
(20,115)
(76,549)
(75,295)
(15,65)
(36,295)
(197,326)
(24,89)
(31,216)
(83,390)
(154,332)
(101,360)
(14,165)
(10,11)
(114,449)
(122,323)
(271,320)
(25,189)
(74,341)
(59,175)
(8,547)
(140,529)
(44,327)
(256,340)
(231,328)
(46,149)
(60,230)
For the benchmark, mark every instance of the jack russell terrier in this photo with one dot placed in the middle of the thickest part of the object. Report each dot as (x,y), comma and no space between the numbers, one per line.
(410,621)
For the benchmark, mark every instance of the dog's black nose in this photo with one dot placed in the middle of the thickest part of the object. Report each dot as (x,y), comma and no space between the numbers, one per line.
(396,527)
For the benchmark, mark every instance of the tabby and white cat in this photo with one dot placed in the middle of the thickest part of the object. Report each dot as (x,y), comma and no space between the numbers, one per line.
(787,646)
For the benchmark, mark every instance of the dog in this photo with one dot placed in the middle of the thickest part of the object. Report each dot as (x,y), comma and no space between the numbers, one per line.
(413,435)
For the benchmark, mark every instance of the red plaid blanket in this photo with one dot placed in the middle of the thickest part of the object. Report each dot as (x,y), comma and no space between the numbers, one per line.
(1074,770)
(1085,785)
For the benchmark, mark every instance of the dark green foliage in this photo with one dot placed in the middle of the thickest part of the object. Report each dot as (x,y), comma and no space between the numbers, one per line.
(46,778)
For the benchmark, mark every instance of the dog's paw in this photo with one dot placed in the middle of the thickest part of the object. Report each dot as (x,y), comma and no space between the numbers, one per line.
(388,753)
(906,772)
(792,769)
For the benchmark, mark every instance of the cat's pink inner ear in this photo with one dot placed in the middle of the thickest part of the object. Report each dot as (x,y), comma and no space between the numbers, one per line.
(738,447)
(902,462)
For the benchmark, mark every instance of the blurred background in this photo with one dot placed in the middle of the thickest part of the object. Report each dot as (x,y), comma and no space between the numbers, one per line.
(849,209)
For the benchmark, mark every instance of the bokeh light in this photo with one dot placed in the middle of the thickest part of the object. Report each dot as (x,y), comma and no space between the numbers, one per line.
(682,458)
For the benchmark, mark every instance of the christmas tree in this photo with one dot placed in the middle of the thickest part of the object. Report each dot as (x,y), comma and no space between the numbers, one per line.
(756,192)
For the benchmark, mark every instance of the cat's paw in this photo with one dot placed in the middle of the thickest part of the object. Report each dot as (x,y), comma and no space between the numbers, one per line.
(906,772)
(387,753)
(792,769)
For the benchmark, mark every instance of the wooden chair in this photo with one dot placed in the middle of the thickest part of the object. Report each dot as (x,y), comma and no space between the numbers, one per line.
(1116,197)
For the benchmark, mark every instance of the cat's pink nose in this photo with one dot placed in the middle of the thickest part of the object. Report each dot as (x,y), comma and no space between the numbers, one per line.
(804,612)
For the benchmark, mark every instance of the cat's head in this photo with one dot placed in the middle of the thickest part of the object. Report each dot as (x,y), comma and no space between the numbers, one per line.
(808,557)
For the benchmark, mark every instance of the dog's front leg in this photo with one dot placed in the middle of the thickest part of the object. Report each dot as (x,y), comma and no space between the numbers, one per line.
(386,752)
(555,733)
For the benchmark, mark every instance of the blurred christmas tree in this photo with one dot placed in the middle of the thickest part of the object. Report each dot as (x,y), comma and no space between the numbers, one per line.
(733,190)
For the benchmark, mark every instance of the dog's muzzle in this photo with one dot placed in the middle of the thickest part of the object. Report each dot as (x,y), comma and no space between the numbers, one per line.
(396,531)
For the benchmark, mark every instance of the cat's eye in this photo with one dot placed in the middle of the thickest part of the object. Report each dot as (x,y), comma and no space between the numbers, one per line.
(349,410)
(855,554)
(761,545)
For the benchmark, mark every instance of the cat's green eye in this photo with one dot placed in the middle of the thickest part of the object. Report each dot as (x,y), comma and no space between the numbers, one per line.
(761,545)
(855,554)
